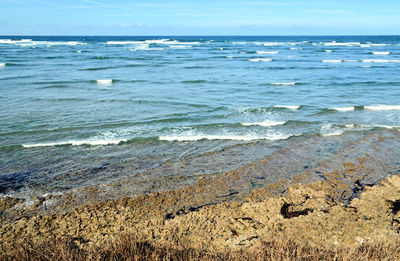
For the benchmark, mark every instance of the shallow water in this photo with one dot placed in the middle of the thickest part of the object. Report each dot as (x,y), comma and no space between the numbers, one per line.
(80,111)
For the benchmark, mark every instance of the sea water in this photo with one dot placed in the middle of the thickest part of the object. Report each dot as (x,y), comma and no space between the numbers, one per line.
(80,111)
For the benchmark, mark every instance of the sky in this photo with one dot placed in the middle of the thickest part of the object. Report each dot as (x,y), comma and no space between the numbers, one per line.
(199,17)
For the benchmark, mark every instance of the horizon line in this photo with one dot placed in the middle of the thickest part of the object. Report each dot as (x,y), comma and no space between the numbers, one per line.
(188,35)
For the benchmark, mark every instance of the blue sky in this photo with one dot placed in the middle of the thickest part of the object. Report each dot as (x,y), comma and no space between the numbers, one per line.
(200,17)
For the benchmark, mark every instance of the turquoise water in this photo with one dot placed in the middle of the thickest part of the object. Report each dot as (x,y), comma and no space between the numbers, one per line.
(117,106)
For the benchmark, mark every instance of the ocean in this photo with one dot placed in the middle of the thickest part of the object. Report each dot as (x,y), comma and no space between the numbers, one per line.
(157,113)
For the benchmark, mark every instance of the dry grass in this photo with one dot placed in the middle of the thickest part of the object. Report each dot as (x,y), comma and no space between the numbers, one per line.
(129,248)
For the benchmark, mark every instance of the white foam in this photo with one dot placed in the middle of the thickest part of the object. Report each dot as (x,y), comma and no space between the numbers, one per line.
(5,41)
(295,48)
(380,44)
(328,130)
(333,133)
(273,44)
(124,42)
(105,82)
(352,126)
(72,43)
(381,53)
(229,57)
(260,60)
(276,136)
(269,43)
(66,43)
(365,45)
(332,61)
(388,126)
(3,64)
(160,41)
(380,61)
(264,123)
(344,109)
(366,66)
(265,52)
(328,51)
(168,41)
(290,107)
(9,41)
(79,51)
(282,83)
(180,46)
(334,43)
(75,143)
(382,107)
(29,42)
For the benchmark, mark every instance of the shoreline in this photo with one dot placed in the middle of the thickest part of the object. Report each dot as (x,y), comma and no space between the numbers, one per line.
(346,200)
(128,176)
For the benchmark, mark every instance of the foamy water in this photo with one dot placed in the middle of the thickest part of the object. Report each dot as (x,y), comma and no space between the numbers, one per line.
(104,82)
(382,107)
(381,53)
(124,42)
(342,44)
(266,123)
(283,83)
(290,107)
(344,109)
(30,42)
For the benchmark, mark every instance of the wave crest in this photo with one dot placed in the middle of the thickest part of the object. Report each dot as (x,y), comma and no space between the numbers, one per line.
(283,83)
(290,107)
(264,123)
(382,107)
(76,143)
